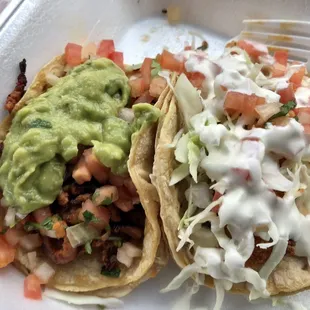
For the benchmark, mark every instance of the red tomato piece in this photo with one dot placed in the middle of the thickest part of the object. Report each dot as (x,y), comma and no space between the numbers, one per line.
(105,48)
(95,167)
(118,58)
(196,78)
(169,62)
(287,94)
(124,205)
(297,77)
(242,103)
(303,115)
(32,287)
(281,57)
(243,173)
(252,48)
(73,54)
(146,71)
(7,253)
(187,48)
(216,196)
(137,87)
(278,70)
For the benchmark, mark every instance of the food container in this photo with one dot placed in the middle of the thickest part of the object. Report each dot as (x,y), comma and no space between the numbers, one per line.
(39,29)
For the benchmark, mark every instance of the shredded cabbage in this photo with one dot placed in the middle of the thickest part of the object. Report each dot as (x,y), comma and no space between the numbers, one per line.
(78,299)
(201,196)
(193,159)
(220,294)
(175,140)
(189,101)
(179,174)
(181,151)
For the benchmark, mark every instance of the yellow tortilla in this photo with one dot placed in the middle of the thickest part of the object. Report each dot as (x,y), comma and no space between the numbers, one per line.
(83,274)
(290,276)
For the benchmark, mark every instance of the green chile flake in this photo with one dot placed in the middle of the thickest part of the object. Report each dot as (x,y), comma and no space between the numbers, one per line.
(114,273)
(284,109)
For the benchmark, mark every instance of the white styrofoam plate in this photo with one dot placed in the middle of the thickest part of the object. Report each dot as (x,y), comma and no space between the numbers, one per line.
(39,29)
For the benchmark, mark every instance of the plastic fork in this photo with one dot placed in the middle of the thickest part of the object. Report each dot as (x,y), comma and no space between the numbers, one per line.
(289,35)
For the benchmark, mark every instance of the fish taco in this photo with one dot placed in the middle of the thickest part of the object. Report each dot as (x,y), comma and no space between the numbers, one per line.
(232,172)
(78,210)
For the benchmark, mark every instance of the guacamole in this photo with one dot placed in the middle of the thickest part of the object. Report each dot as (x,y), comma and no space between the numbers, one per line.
(81,108)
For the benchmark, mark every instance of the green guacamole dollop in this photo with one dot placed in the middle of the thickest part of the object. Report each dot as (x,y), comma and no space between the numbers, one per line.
(81,108)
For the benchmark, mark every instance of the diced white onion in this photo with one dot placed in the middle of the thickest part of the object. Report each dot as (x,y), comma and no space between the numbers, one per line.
(9,219)
(131,250)
(30,242)
(265,111)
(49,233)
(32,260)
(81,233)
(44,272)
(89,50)
(126,115)
(123,258)
(51,78)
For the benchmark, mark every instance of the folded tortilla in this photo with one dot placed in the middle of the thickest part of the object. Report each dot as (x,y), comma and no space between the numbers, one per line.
(292,275)
(83,274)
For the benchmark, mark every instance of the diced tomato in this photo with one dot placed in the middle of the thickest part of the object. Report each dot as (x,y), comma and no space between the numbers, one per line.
(81,173)
(252,48)
(145,98)
(137,87)
(242,103)
(7,253)
(303,115)
(42,214)
(118,58)
(216,196)
(146,71)
(124,193)
(297,77)
(278,70)
(187,48)
(281,57)
(287,94)
(32,287)
(116,180)
(95,167)
(157,86)
(102,214)
(124,205)
(73,54)
(106,48)
(130,187)
(169,62)
(196,78)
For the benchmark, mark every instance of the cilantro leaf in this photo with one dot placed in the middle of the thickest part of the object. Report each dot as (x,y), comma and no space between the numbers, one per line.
(114,273)
(89,217)
(48,223)
(285,108)
(40,123)
(107,201)
(88,247)
(29,226)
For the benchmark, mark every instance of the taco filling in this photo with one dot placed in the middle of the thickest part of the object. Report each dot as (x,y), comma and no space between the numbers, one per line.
(241,172)
(66,188)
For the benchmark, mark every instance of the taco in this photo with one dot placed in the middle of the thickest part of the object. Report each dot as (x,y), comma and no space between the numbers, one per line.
(78,210)
(232,172)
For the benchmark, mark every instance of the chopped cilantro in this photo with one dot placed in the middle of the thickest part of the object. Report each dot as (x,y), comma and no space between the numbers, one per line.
(114,273)
(296,118)
(285,108)
(47,224)
(3,231)
(89,217)
(29,226)
(108,228)
(40,123)
(107,201)
(88,247)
